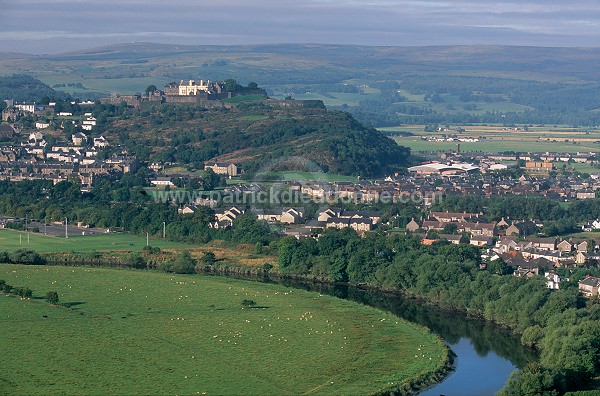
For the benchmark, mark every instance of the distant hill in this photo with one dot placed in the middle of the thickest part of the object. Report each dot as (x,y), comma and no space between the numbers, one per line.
(258,137)
(379,86)
(24,88)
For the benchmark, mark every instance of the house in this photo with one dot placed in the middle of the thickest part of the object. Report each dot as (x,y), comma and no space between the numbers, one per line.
(336,222)
(287,216)
(412,226)
(543,243)
(222,168)
(586,194)
(589,286)
(481,240)
(326,214)
(591,225)
(581,246)
(505,245)
(502,223)
(565,246)
(480,229)
(525,273)
(453,239)
(101,142)
(522,229)
(187,209)
(225,217)
(361,224)
(88,123)
(162,181)
(447,217)
(79,138)
(552,280)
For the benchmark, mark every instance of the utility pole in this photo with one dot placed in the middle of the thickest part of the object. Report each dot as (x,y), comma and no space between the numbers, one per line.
(146,238)
(66,228)
(164,229)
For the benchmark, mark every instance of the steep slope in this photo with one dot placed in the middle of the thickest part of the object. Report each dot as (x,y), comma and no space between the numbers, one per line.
(258,136)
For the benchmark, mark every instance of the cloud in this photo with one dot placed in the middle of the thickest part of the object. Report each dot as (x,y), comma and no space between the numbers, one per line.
(60,24)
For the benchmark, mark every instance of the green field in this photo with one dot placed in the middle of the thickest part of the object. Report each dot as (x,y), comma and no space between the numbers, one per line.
(496,138)
(138,332)
(416,144)
(9,240)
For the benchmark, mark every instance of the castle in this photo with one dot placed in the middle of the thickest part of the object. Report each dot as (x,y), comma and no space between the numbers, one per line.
(194,91)
(187,91)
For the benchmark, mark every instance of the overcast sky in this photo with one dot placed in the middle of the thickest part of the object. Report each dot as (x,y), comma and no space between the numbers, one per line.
(53,26)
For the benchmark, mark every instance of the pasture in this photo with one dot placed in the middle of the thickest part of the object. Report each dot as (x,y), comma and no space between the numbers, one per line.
(138,332)
(12,240)
(499,139)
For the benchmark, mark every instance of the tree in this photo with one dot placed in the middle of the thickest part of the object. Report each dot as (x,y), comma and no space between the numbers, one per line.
(252,85)
(151,89)
(52,297)
(184,263)
(210,180)
(230,85)
(209,258)
(135,260)
(499,267)
(450,228)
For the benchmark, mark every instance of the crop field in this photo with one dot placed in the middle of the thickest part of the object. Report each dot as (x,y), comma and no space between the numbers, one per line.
(11,240)
(138,332)
(498,139)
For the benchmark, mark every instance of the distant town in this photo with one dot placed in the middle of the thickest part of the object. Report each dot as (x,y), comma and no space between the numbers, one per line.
(43,153)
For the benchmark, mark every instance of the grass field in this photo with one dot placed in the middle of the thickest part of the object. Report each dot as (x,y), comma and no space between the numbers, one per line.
(9,240)
(311,176)
(138,332)
(498,139)
(517,145)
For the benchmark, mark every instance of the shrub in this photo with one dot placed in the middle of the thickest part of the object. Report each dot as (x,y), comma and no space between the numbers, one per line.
(52,297)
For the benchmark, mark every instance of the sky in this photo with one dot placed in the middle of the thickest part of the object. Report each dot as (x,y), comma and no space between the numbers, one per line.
(55,26)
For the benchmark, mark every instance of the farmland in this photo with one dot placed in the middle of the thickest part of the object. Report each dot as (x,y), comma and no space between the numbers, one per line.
(499,139)
(139,332)
(11,240)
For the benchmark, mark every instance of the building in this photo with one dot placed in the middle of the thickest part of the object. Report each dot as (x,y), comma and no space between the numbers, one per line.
(552,280)
(79,138)
(538,167)
(162,182)
(222,168)
(437,168)
(589,286)
(522,229)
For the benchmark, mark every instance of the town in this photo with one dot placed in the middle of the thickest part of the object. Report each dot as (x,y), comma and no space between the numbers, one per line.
(39,151)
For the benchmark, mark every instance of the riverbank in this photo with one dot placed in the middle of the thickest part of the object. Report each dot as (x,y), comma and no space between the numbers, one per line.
(290,342)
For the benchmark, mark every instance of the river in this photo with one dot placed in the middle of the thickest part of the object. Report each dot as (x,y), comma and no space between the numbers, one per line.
(486,355)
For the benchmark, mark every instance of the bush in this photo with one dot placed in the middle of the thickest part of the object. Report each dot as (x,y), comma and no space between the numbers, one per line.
(26,256)
(248,303)
(184,263)
(52,297)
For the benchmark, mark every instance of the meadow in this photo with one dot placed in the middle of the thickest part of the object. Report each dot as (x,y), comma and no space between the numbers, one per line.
(12,240)
(499,139)
(139,332)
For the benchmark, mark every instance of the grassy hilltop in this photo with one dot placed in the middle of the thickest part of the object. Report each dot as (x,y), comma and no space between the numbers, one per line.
(130,332)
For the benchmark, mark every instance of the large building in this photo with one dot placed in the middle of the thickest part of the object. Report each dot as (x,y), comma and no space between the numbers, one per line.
(194,91)
(437,168)
(222,168)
